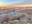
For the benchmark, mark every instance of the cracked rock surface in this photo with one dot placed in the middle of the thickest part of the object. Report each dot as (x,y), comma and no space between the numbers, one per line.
(16,16)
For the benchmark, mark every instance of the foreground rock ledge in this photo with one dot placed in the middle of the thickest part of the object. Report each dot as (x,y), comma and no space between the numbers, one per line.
(25,14)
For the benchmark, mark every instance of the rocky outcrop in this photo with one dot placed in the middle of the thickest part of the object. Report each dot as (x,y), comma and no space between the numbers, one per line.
(20,16)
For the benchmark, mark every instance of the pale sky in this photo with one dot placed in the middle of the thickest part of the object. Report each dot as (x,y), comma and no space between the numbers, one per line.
(4,2)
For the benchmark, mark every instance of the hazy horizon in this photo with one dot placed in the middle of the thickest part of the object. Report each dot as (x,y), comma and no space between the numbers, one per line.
(5,2)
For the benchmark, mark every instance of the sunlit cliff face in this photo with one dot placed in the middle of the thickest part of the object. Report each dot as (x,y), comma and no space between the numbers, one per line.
(6,12)
(18,11)
(10,12)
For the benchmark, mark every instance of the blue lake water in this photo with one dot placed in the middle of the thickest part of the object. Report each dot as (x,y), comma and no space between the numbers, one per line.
(9,13)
